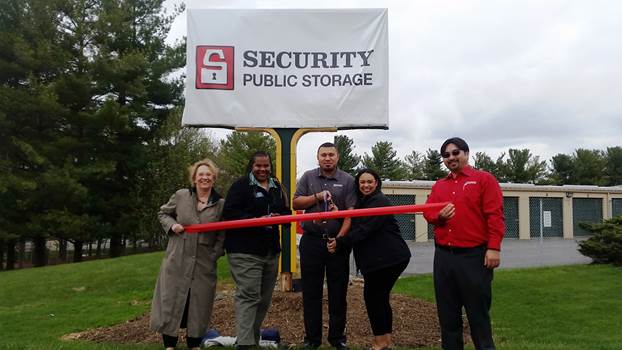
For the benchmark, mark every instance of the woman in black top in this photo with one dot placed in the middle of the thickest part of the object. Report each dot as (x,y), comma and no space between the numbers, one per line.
(380,253)
(253,252)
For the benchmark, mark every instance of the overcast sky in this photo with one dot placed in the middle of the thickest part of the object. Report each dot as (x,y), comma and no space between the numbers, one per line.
(543,75)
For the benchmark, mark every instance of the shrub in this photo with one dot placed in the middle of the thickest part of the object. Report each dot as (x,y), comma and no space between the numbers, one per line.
(605,246)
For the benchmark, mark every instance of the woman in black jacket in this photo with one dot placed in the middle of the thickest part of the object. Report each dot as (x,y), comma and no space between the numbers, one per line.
(380,253)
(253,252)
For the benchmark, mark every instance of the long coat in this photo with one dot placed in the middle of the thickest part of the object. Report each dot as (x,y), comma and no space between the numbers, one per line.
(189,265)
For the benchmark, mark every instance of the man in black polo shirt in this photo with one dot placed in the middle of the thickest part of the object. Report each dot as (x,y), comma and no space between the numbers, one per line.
(317,190)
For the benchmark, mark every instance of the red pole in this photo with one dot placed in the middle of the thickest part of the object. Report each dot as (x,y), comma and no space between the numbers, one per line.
(282,219)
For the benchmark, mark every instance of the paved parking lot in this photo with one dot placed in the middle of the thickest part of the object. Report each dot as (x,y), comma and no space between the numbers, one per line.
(515,254)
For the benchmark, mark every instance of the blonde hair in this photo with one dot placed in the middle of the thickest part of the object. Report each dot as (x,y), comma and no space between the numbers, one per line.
(192,170)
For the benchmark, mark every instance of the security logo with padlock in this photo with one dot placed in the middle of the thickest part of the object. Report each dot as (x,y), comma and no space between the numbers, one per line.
(214,67)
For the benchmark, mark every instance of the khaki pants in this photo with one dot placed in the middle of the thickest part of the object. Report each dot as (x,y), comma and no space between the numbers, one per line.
(255,278)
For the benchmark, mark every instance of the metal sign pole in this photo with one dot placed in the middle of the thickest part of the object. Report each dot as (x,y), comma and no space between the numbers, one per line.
(541,229)
(288,138)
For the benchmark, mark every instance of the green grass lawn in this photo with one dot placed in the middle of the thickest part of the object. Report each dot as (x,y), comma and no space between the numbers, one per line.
(38,306)
(573,307)
(559,308)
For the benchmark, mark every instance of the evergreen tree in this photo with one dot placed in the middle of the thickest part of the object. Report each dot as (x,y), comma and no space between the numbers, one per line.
(432,165)
(482,161)
(589,167)
(502,168)
(613,169)
(83,91)
(605,244)
(131,64)
(348,160)
(30,61)
(384,160)
(522,167)
(235,151)
(414,163)
(173,149)
(562,167)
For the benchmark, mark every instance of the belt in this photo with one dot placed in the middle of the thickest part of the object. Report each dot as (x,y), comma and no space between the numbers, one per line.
(460,250)
(325,236)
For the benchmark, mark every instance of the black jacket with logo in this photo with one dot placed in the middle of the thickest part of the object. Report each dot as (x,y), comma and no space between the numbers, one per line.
(246,201)
(376,240)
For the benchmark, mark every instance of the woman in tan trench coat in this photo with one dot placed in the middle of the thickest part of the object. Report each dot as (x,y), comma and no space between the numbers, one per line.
(184,292)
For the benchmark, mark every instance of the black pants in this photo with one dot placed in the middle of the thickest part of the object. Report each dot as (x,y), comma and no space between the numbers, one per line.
(315,261)
(171,341)
(377,294)
(461,279)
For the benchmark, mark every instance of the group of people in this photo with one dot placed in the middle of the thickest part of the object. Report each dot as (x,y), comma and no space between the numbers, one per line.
(468,234)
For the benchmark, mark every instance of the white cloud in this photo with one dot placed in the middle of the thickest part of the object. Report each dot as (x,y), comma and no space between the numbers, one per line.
(543,75)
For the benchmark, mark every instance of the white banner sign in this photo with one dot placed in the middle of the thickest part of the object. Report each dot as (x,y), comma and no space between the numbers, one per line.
(287,68)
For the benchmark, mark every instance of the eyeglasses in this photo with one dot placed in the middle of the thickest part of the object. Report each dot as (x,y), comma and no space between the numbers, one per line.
(454,153)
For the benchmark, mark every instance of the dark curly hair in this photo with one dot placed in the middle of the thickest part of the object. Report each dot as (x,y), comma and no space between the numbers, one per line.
(373,173)
(254,156)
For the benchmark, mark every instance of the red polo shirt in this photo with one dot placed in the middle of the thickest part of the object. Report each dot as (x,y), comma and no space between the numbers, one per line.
(478,217)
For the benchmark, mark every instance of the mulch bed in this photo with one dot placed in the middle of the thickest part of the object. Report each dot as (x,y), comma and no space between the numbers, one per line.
(415,321)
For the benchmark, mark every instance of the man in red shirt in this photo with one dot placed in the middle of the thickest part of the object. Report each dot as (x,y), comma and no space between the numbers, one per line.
(468,233)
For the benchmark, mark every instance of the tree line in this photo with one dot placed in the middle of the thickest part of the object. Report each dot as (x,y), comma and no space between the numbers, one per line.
(91,142)
(90,135)
(583,167)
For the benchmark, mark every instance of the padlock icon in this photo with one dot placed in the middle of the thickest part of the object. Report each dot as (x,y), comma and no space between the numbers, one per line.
(214,72)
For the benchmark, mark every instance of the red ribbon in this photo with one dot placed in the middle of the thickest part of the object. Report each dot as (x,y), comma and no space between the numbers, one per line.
(282,219)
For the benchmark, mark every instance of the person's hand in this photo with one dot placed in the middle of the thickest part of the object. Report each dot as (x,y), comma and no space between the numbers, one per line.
(323,196)
(177,228)
(492,258)
(331,244)
(447,212)
(332,206)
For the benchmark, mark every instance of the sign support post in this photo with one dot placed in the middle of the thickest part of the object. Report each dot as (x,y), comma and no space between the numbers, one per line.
(310,70)
(288,176)
(286,140)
